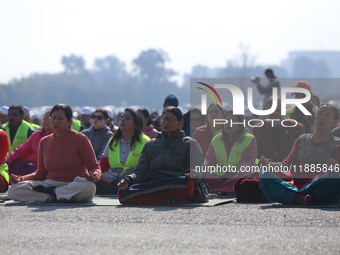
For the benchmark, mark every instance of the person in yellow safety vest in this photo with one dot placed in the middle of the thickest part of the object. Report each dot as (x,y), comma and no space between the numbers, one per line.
(230,155)
(17,129)
(4,148)
(122,152)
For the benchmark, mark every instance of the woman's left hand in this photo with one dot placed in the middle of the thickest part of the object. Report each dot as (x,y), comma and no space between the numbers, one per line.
(192,174)
(91,177)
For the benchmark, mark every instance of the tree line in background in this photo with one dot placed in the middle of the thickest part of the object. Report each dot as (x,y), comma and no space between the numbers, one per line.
(147,85)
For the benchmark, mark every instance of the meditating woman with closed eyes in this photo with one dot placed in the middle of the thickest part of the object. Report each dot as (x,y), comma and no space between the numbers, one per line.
(311,174)
(67,166)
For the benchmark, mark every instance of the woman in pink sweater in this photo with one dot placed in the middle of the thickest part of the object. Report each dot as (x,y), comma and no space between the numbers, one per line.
(67,166)
(24,159)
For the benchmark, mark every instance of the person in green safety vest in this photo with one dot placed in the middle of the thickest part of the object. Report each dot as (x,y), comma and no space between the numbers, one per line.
(4,148)
(230,155)
(122,152)
(17,129)
(76,125)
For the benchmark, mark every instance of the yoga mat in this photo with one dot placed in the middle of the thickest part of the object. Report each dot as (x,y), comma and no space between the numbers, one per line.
(115,202)
(336,205)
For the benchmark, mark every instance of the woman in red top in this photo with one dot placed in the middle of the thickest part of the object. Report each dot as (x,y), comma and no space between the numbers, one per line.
(67,165)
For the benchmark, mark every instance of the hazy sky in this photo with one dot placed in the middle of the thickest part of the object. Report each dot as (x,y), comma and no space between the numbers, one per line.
(36,34)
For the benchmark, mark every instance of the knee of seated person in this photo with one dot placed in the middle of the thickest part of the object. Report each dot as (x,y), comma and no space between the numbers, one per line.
(11,192)
(88,189)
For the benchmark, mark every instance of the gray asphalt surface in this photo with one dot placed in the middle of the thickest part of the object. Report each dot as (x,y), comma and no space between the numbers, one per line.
(226,229)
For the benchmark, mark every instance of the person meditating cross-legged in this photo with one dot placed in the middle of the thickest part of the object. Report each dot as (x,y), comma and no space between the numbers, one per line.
(234,149)
(158,178)
(67,166)
(121,153)
(314,176)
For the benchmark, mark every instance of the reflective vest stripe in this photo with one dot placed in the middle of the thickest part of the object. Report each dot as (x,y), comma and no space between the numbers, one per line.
(3,171)
(235,155)
(133,157)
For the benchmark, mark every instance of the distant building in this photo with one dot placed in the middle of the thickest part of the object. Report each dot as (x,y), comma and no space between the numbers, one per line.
(316,64)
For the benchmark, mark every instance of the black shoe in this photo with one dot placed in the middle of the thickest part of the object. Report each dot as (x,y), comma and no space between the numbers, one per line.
(46,190)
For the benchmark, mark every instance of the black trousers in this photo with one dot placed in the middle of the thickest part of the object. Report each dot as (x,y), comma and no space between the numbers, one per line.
(104,188)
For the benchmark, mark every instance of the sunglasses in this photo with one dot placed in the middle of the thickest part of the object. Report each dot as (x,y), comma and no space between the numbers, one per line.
(98,117)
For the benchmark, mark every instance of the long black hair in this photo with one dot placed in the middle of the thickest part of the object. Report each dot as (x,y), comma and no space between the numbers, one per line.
(137,120)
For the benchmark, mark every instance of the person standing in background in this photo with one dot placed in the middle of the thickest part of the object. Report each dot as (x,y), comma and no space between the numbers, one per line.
(267,90)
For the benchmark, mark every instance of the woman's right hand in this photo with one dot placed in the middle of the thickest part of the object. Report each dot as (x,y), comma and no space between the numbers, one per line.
(15,179)
(123,185)
(264,162)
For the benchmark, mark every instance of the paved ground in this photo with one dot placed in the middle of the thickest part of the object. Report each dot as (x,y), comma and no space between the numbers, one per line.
(231,228)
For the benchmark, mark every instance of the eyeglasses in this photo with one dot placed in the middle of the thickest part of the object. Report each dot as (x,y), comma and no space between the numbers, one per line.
(98,117)
(170,120)
(195,119)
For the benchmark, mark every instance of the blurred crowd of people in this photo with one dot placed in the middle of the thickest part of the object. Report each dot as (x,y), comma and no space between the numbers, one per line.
(150,158)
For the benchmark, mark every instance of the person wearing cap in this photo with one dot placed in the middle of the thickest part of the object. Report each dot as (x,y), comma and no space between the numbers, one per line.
(85,118)
(267,91)
(109,121)
(99,133)
(17,129)
(170,100)
(296,114)
(3,114)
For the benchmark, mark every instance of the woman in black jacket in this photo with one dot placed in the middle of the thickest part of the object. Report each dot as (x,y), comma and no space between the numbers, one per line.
(158,178)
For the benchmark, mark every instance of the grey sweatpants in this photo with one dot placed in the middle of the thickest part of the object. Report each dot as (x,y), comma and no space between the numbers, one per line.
(80,190)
